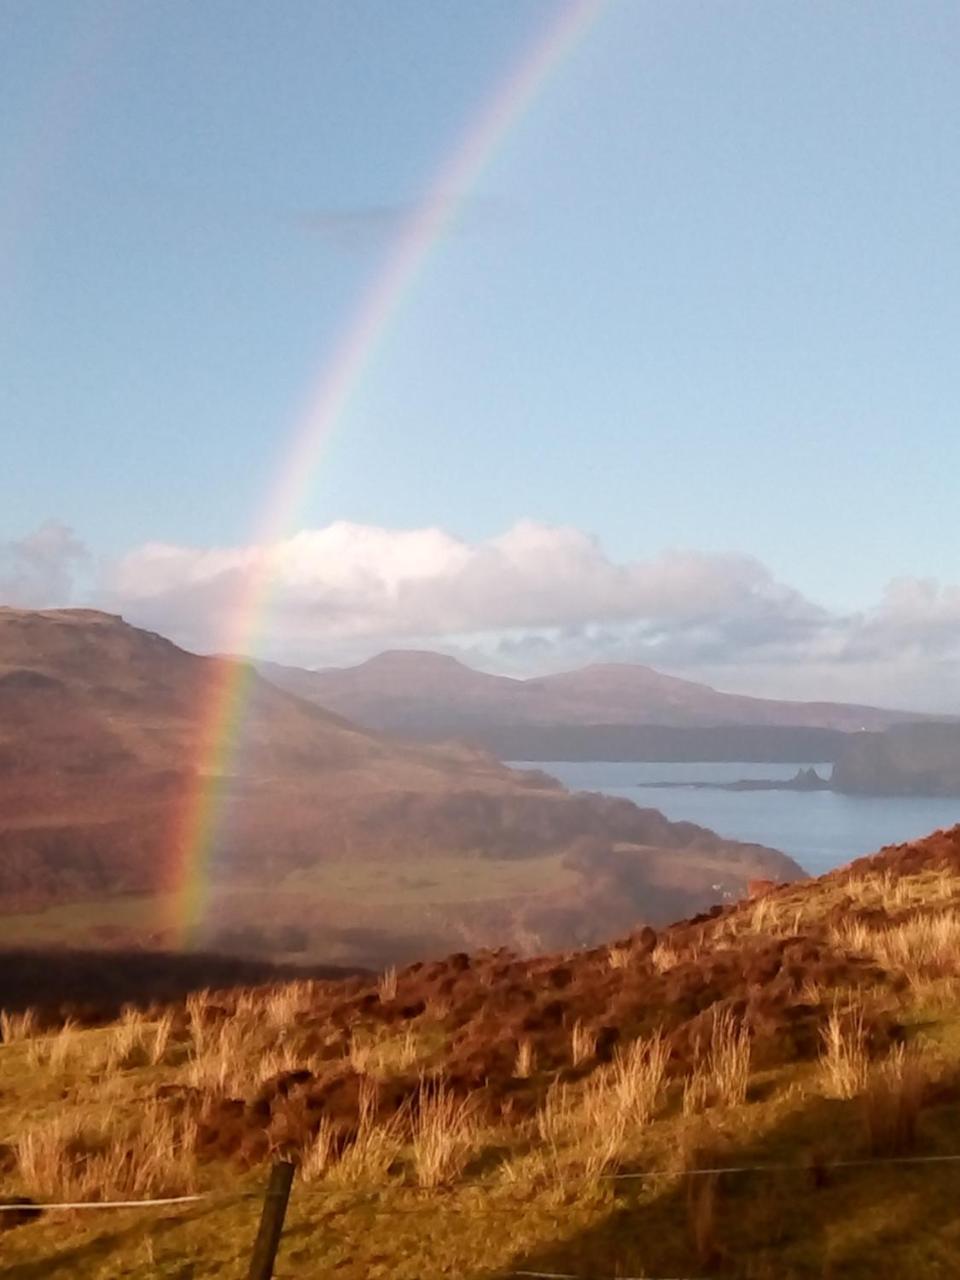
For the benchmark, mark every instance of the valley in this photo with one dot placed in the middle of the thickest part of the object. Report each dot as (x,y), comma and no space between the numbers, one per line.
(331,843)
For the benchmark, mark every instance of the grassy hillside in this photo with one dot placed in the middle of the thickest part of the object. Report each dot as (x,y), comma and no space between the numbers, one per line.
(332,844)
(486,1115)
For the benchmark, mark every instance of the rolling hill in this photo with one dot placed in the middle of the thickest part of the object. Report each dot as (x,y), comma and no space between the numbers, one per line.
(608,711)
(335,844)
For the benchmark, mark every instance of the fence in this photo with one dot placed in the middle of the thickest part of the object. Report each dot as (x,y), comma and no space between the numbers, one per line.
(277,1196)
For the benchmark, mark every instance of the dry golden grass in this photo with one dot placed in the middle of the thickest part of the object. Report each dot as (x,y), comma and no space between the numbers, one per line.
(923,946)
(319,1155)
(583,1043)
(162,1033)
(64,1161)
(387,985)
(844,1060)
(443,1135)
(618,957)
(665,957)
(276,1060)
(53,1052)
(580,1135)
(721,1075)
(525,1062)
(16,1027)
(764,916)
(893,892)
(383,1054)
(811,992)
(197,1004)
(635,1085)
(376,1148)
(220,1061)
(282,1005)
(583,1133)
(234,1057)
(128,1044)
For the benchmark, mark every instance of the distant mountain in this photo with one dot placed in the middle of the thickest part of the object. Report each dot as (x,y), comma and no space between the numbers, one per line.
(336,844)
(612,711)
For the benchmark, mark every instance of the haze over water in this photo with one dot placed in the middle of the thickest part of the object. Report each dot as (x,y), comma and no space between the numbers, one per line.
(820,829)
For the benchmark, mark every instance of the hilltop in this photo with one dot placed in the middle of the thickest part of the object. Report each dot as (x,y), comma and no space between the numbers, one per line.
(336,844)
(810,1034)
(605,711)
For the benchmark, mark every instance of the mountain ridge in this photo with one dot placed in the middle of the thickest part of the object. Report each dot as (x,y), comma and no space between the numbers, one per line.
(428,695)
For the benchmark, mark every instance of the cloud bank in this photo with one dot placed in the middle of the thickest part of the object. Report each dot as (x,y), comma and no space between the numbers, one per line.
(542,597)
(536,598)
(39,569)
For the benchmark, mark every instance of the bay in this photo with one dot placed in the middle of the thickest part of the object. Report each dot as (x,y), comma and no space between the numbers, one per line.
(820,829)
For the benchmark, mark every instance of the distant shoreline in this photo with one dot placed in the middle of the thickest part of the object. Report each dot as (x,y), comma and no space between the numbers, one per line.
(807,780)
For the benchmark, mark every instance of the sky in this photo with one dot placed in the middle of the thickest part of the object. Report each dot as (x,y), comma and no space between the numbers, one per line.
(675,382)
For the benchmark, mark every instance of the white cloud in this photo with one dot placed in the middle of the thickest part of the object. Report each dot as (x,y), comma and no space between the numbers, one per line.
(541,597)
(38,569)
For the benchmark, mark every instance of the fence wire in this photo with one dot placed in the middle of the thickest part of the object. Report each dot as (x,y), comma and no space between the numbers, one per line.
(32,1206)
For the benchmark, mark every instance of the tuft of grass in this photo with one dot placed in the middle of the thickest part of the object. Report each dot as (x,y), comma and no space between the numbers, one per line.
(843,1058)
(53,1052)
(127,1046)
(526,1059)
(162,1032)
(219,1062)
(721,1076)
(638,1077)
(383,1055)
(583,1043)
(618,957)
(197,1003)
(443,1134)
(763,916)
(320,1153)
(924,946)
(582,1137)
(387,985)
(584,1133)
(16,1027)
(665,957)
(376,1145)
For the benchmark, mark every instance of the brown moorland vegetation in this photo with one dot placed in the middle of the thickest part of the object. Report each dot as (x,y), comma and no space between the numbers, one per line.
(488,1113)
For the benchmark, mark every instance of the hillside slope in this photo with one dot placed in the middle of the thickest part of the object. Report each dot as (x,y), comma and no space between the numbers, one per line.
(334,844)
(771,1089)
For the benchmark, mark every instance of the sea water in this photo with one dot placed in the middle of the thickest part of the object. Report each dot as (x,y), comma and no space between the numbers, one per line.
(820,829)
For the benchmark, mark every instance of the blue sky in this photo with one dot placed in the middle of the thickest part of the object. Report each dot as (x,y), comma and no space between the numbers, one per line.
(705,296)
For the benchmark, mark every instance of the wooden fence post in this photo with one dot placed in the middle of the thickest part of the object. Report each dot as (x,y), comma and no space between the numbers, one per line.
(271,1221)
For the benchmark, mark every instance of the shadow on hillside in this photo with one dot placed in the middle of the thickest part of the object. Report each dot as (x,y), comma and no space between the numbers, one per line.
(876,1222)
(92,986)
(91,1255)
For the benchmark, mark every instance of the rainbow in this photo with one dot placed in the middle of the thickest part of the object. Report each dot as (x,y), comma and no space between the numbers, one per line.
(195,837)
